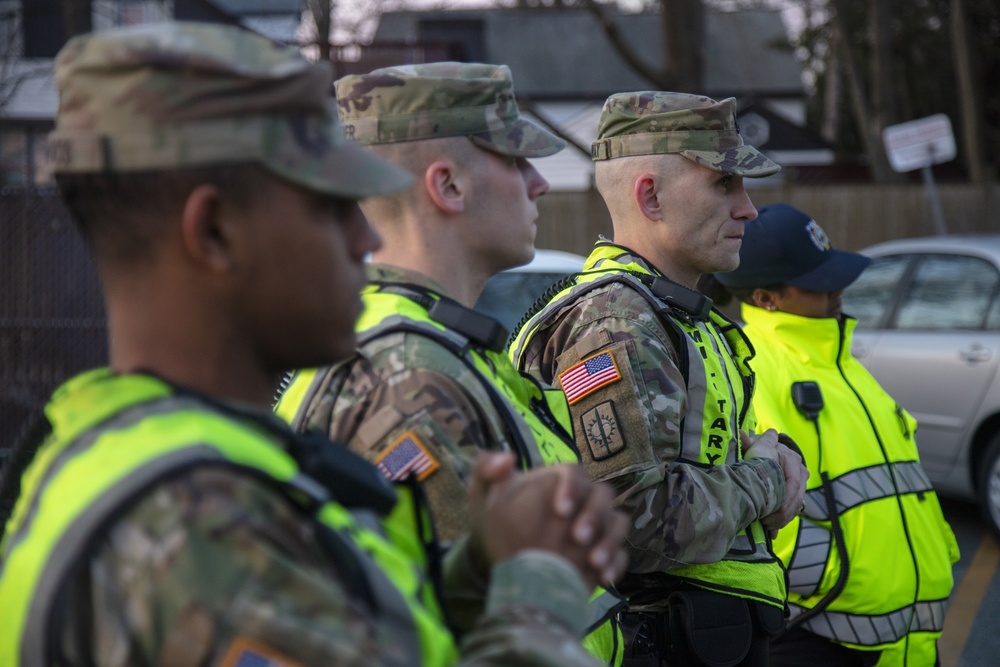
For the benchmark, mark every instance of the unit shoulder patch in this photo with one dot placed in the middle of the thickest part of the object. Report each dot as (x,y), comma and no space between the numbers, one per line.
(246,652)
(604,434)
(406,456)
(589,375)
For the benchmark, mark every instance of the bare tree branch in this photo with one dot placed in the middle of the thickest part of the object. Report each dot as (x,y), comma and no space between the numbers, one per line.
(624,48)
(10,78)
(9,83)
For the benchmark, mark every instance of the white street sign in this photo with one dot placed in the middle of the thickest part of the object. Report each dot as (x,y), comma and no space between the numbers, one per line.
(919,143)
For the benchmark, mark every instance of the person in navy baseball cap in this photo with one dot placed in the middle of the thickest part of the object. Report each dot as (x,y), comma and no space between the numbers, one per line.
(785,246)
(811,388)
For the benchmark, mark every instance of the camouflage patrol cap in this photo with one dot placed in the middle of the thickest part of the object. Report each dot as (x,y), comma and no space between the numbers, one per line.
(697,127)
(446,99)
(173,95)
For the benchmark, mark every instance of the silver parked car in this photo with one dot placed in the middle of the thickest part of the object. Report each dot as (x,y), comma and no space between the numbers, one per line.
(509,294)
(928,314)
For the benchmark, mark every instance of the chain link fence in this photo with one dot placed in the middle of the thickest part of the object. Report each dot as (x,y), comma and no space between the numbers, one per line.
(51,313)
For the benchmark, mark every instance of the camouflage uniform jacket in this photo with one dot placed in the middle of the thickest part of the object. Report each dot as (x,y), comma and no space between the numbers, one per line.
(629,423)
(405,390)
(216,563)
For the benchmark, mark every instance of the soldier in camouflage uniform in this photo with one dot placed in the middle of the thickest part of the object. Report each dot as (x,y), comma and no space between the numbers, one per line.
(659,387)
(431,385)
(169,518)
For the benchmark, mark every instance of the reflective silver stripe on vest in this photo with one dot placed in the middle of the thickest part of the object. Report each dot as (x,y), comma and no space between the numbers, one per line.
(122,420)
(602,608)
(393,321)
(867,484)
(866,630)
(68,549)
(694,420)
(697,387)
(812,551)
(743,545)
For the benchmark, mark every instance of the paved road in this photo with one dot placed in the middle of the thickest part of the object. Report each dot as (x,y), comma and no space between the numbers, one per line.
(972,626)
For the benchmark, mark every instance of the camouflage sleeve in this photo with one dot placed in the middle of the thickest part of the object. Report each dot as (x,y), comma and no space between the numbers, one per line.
(535,610)
(215,568)
(207,566)
(414,417)
(628,431)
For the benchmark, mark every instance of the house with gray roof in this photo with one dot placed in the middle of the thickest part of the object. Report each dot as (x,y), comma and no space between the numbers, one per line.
(32,32)
(564,67)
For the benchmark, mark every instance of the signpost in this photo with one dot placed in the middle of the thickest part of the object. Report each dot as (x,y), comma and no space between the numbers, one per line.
(918,144)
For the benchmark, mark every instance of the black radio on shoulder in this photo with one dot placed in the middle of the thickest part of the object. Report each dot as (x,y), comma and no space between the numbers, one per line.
(676,295)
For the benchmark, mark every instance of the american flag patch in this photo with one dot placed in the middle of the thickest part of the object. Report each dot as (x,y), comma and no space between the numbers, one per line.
(405,456)
(245,652)
(588,376)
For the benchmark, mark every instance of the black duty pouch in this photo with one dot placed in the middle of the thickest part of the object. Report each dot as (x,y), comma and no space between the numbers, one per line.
(768,619)
(715,629)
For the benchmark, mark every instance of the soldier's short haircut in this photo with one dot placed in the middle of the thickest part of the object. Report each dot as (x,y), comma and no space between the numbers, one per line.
(614,180)
(415,157)
(122,214)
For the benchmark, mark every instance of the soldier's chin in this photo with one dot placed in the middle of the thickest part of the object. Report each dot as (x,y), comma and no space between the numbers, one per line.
(525,256)
(336,348)
(729,264)
(346,346)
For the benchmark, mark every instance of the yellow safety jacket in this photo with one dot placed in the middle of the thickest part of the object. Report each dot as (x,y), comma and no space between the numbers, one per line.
(870,561)
(83,477)
(711,346)
(533,419)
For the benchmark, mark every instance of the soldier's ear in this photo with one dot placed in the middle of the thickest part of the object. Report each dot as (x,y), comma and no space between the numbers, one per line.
(646,194)
(445,186)
(205,232)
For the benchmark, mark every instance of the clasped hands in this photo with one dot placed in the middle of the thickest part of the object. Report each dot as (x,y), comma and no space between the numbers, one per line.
(555,508)
(770,444)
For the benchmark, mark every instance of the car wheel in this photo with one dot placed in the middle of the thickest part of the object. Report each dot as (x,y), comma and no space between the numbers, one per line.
(988,487)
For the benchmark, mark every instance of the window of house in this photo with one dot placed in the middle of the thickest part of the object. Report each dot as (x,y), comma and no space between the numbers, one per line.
(24,159)
(14,158)
(39,165)
(113,13)
(42,28)
(464,37)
